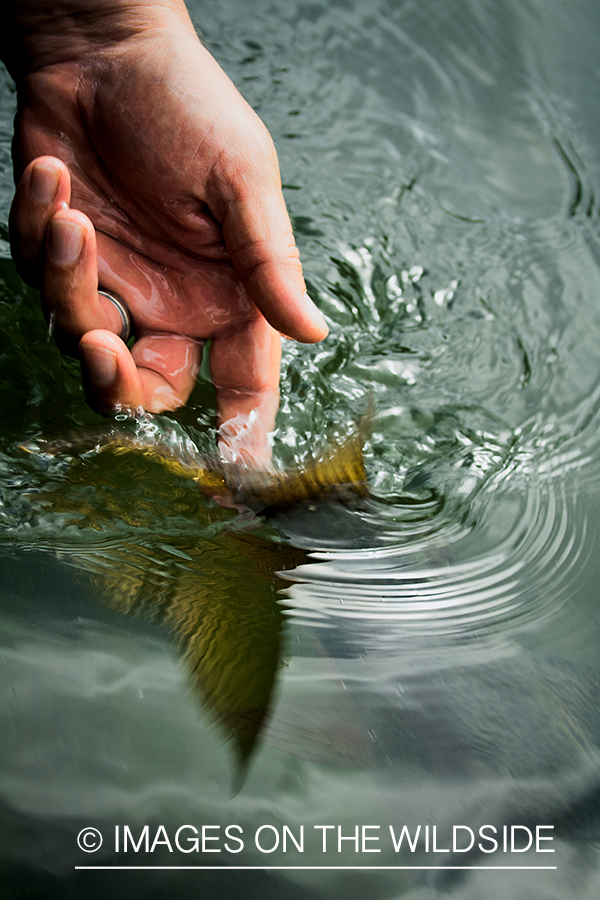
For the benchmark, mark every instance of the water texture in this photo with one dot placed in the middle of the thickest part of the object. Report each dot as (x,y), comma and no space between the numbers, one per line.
(427,656)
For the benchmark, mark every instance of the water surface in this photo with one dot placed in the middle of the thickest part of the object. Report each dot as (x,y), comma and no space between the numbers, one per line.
(429,656)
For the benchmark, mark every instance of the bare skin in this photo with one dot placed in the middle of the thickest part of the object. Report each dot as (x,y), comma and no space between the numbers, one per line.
(142,170)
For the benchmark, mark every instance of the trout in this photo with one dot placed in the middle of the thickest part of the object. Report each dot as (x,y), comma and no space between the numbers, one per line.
(338,472)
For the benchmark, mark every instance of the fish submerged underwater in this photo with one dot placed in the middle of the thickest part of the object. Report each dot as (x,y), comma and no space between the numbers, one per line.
(339,472)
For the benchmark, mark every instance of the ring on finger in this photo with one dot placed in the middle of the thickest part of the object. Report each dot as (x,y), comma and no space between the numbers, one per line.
(122,309)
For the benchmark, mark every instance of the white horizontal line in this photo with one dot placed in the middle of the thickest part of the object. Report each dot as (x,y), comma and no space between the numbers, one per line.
(329,868)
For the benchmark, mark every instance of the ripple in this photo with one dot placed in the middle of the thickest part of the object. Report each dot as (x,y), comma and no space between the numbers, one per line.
(442,587)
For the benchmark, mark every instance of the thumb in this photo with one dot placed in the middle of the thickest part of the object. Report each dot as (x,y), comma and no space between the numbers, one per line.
(258,236)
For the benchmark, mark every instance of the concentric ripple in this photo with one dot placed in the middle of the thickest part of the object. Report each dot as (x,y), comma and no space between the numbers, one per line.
(443,586)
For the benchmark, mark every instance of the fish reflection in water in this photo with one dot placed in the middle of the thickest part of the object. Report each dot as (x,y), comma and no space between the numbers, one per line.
(230,637)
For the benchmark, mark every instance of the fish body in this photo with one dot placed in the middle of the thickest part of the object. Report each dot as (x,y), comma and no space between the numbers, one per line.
(338,472)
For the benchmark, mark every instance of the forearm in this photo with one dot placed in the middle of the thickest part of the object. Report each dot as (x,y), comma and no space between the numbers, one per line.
(36,33)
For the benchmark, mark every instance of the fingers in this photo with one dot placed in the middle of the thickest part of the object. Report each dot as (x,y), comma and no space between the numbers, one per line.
(158,374)
(69,281)
(44,188)
(55,250)
(258,235)
(244,368)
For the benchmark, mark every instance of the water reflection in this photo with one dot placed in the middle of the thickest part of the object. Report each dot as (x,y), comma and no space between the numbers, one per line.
(230,639)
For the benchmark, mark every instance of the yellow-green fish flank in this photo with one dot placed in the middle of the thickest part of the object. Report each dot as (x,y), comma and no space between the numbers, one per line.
(336,472)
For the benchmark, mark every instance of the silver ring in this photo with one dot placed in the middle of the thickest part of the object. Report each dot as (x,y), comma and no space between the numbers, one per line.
(123,311)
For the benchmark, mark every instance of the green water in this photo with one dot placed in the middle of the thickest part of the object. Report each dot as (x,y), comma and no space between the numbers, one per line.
(429,656)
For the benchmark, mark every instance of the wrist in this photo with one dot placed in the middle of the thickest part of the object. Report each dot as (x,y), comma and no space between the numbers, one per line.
(37,34)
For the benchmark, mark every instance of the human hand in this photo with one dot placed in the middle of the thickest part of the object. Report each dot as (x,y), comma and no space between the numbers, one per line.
(143,170)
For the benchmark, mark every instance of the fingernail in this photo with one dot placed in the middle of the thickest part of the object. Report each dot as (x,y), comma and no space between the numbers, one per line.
(316,312)
(44,183)
(101,365)
(65,241)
